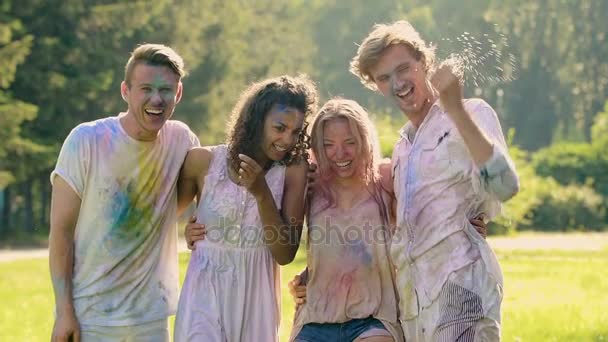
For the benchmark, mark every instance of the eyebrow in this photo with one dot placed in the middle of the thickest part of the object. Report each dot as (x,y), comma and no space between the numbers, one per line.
(404,64)
(347,139)
(162,85)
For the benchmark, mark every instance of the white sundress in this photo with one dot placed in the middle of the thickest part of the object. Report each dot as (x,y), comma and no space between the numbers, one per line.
(231,291)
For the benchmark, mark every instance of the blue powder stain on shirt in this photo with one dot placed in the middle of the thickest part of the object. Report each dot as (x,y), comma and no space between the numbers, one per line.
(358,249)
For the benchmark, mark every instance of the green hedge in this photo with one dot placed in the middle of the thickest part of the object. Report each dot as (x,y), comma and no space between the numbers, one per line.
(545,204)
(575,163)
(568,207)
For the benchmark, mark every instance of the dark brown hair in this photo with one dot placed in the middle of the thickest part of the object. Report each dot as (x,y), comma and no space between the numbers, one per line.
(246,126)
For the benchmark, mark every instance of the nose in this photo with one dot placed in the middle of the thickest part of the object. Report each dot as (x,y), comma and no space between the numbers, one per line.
(156,98)
(340,153)
(396,81)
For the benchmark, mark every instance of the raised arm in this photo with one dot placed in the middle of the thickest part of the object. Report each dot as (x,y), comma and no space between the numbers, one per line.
(482,136)
(65,208)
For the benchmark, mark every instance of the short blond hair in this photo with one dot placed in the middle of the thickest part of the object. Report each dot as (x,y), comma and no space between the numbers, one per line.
(154,54)
(381,38)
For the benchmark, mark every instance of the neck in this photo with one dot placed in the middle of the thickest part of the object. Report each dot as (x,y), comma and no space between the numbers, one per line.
(348,192)
(418,116)
(348,184)
(131,127)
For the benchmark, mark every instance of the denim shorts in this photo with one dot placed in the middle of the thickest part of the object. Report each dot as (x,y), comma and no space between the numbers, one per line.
(339,332)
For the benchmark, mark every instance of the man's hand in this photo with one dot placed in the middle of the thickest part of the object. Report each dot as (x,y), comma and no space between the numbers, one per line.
(194,232)
(480,225)
(297,290)
(450,90)
(66,328)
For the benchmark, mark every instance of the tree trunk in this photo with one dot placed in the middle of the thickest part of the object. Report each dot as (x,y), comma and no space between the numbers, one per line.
(2,201)
(6,210)
(28,210)
(43,222)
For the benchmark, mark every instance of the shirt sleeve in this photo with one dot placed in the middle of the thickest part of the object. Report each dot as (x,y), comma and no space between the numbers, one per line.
(73,161)
(193,140)
(497,176)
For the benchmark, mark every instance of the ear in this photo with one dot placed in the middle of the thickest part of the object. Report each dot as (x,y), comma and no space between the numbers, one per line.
(124,90)
(178,94)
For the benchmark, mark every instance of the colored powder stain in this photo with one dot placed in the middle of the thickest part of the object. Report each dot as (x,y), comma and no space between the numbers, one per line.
(75,141)
(359,250)
(131,216)
(134,201)
(164,88)
(341,283)
(281,107)
(108,137)
(151,179)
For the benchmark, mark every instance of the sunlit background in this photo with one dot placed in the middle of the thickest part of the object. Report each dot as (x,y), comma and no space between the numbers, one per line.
(541,64)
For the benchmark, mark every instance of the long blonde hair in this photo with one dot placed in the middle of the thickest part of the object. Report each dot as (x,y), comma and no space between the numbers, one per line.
(368,149)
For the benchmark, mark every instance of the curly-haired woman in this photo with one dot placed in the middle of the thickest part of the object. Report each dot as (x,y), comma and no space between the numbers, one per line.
(250,195)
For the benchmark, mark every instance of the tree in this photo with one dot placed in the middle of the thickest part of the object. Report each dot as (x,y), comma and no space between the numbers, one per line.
(12,112)
(14,48)
(562,67)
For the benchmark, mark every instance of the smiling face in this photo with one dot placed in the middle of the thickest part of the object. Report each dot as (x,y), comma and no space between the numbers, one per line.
(400,76)
(152,95)
(341,147)
(282,128)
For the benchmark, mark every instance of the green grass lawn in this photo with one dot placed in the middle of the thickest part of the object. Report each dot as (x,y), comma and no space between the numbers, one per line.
(549,296)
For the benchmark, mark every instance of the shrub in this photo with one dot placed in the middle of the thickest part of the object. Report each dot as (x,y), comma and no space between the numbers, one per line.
(545,204)
(568,207)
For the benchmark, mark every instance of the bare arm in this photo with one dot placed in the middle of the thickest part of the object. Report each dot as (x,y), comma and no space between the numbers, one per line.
(285,226)
(386,178)
(282,230)
(65,208)
(192,175)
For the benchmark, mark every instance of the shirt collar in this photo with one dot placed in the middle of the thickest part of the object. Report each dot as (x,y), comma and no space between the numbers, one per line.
(408,130)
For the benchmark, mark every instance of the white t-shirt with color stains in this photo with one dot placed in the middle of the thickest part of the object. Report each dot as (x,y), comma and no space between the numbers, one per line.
(125,267)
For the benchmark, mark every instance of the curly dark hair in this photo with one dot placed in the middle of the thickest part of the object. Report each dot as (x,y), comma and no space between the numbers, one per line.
(246,125)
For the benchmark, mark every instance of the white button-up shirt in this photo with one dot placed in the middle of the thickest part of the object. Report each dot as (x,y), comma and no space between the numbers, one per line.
(438,189)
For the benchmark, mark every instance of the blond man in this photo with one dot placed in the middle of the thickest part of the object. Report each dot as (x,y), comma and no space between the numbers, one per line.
(450,163)
(112,246)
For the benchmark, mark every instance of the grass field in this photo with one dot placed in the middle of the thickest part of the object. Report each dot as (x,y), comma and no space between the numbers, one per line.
(550,294)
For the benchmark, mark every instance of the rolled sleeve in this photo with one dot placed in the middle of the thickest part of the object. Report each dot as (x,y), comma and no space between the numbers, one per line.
(73,160)
(498,175)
